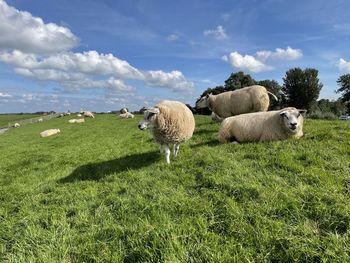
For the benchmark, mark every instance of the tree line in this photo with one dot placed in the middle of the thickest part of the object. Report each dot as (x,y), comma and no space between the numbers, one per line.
(301,89)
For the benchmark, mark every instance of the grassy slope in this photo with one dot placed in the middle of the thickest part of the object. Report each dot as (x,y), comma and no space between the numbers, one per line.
(6,118)
(100,192)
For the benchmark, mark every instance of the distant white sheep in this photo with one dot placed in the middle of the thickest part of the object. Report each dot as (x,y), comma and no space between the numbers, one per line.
(126,115)
(17,125)
(170,122)
(49,132)
(124,110)
(263,126)
(76,120)
(249,99)
(88,114)
(78,115)
(40,120)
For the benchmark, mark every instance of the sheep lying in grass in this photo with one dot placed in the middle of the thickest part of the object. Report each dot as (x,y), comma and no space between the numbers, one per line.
(88,114)
(126,115)
(78,115)
(123,110)
(249,99)
(49,132)
(263,126)
(170,122)
(17,125)
(76,120)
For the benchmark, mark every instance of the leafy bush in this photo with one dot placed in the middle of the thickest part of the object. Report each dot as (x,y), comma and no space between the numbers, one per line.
(322,115)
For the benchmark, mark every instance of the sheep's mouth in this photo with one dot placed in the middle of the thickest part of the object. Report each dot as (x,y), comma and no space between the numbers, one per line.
(293,128)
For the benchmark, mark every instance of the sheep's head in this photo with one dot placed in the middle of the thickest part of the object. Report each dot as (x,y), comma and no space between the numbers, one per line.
(292,119)
(150,116)
(203,102)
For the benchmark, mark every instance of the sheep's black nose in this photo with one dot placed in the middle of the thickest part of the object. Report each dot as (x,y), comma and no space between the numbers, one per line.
(139,126)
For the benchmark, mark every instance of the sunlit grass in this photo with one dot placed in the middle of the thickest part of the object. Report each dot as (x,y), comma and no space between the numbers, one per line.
(101,192)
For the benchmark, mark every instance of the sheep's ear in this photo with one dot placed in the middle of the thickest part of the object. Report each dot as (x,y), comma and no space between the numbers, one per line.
(302,111)
(283,114)
(153,110)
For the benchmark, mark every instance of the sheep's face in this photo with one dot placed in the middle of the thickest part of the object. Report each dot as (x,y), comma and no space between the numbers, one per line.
(150,116)
(292,119)
(203,102)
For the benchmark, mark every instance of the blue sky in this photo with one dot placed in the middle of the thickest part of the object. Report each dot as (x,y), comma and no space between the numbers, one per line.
(104,55)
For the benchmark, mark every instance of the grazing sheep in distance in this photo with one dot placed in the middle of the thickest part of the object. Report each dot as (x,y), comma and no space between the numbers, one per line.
(49,132)
(40,120)
(263,126)
(170,122)
(88,114)
(126,115)
(249,99)
(17,125)
(78,115)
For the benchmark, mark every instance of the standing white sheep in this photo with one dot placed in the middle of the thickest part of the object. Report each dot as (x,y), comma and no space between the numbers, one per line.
(171,123)
(17,125)
(40,120)
(263,126)
(249,99)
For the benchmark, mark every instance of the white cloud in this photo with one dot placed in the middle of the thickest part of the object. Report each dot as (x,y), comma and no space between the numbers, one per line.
(41,51)
(218,33)
(245,62)
(5,95)
(73,69)
(280,53)
(343,65)
(174,80)
(111,83)
(90,62)
(172,37)
(20,30)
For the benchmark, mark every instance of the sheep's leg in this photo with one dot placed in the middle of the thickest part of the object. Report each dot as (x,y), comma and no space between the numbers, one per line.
(176,149)
(167,153)
(161,148)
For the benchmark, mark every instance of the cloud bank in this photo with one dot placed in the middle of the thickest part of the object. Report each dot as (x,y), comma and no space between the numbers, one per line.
(42,51)
(257,63)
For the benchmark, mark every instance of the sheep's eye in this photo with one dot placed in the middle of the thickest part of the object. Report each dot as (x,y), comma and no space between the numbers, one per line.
(298,115)
(150,115)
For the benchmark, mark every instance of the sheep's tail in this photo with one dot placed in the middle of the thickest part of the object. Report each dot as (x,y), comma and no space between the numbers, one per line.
(224,135)
(273,95)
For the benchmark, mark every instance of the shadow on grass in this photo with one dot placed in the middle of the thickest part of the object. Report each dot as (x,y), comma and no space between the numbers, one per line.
(97,171)
(211,143)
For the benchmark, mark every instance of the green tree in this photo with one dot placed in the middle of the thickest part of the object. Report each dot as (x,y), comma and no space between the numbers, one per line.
(238,80)
(275,88)
(344,83)
(301,88)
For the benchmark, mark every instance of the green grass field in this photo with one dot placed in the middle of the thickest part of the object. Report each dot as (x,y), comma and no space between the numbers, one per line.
(6,118)
(101,192)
